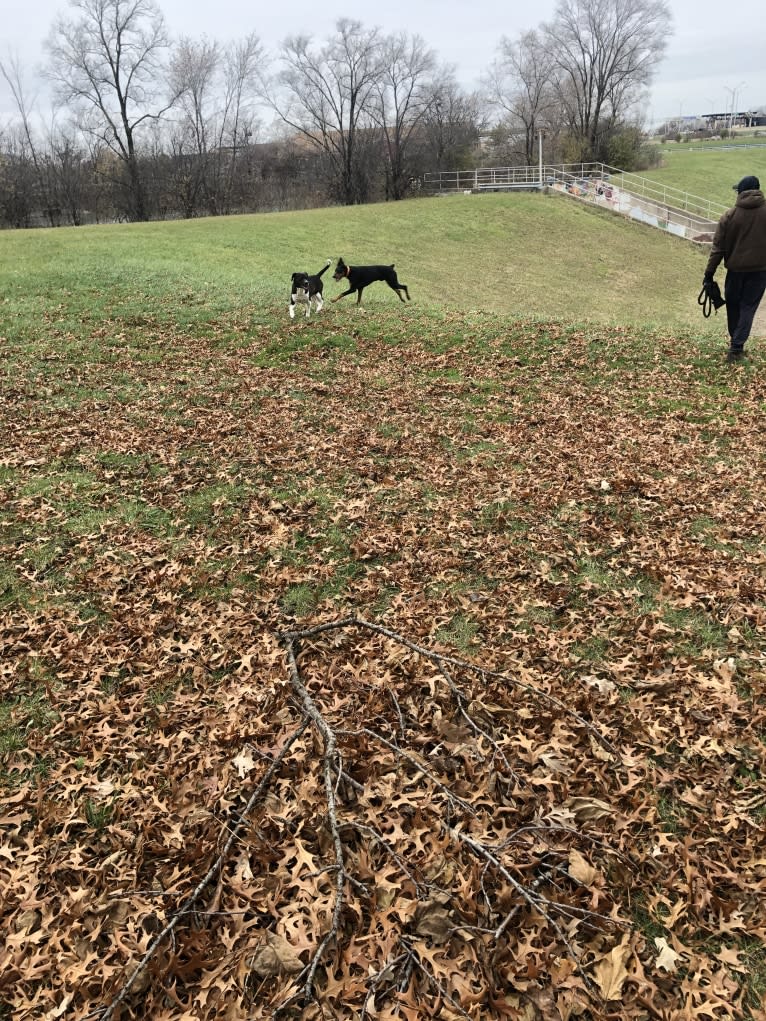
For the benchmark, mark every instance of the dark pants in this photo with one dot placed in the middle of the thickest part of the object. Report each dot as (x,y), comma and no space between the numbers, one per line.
(743,293)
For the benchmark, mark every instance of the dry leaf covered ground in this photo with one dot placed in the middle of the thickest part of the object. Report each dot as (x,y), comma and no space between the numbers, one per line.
(412,670)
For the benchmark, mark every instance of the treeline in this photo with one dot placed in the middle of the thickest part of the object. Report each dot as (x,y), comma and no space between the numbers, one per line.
(147,128)
(68,183)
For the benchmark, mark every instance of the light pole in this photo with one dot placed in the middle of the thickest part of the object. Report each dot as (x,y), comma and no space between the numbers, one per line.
(540,154)
(740,88)
(733,93)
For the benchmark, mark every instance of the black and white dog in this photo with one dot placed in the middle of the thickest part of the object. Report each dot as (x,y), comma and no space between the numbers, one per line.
(359,277)
(306,286)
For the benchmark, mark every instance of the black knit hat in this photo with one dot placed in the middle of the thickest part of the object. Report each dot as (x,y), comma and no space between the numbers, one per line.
(747,184)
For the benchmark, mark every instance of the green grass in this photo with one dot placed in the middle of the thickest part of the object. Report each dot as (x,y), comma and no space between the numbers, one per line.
(709,171)
(24,716)
(698,630)
(460,633)
(105,294)
(97,815)
(753,956)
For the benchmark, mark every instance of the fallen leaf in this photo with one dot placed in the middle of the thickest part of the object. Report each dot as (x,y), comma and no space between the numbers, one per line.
(556,763)
(275,958)
(610,972)
(667,957)
(432,919)
(580,869)
(730,957)
(244,762)
(588,809)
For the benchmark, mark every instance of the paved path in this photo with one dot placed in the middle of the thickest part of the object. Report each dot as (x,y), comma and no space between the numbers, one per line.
(759,325)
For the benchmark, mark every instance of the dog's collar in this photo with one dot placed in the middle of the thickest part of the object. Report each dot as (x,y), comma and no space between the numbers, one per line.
(348,270)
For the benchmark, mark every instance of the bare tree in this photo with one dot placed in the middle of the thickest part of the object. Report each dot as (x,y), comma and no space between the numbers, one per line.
(452,124)
(605,54)
(107,63)
(520,86)
(193,71)
(217,87)
(404,95)
(242,75)
(70,172)
(327,96)
(11,72)
(17,179)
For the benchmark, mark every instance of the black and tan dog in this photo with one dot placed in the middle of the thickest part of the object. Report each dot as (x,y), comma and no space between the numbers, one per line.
(358,277)
(306,286)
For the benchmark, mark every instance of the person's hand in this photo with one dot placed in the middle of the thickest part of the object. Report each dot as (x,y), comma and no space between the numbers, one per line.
(707,279)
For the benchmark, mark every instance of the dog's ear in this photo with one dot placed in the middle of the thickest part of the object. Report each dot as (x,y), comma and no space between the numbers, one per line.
(293,277)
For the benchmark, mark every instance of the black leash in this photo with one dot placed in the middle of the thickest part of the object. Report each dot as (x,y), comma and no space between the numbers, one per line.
(710,298)
(706,301)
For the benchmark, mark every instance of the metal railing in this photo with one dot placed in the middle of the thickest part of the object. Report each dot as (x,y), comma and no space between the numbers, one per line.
(631,194)
(652,207)
(484,179)
(497,178)
(686,147)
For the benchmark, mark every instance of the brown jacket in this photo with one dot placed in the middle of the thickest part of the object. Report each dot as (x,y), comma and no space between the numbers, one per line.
(740,237)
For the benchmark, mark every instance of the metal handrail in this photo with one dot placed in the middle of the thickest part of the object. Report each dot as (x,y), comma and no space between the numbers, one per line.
(485,178)
(659,200)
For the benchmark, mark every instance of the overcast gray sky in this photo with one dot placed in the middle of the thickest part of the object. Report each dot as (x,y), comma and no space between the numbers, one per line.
(715,51)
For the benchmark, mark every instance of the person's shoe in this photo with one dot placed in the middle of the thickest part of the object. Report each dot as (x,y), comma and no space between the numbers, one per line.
(735,354)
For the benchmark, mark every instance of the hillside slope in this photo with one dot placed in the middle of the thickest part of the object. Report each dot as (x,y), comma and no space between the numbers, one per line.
(530,255)
(709,172)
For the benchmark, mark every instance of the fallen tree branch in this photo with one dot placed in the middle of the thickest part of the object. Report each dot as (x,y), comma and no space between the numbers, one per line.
(401,753)
(439,659)
(331,761)
(187,906)
(354,767)
(433,981)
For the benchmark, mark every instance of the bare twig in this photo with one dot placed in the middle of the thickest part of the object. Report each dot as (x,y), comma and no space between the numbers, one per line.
(433,981)
(460,702)
(439,659)
(391,851)
(388,971)
(533,899)
(331,762)
(465,805)
(398,708)
(108,1012)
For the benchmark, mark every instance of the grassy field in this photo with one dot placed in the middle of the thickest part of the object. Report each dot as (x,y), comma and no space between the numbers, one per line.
(709,171)
(526,255)
(407,662)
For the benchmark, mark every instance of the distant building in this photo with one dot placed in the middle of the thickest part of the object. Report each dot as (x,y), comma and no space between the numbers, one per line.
(744,119)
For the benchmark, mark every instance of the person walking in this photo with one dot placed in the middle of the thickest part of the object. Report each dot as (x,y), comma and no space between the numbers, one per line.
(740,241)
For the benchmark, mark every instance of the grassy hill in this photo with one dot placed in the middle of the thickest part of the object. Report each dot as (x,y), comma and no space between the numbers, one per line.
(407,662)
(709,171)
(519,255)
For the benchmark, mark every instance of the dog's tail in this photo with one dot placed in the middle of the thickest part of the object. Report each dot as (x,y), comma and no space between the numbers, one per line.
(325,267)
